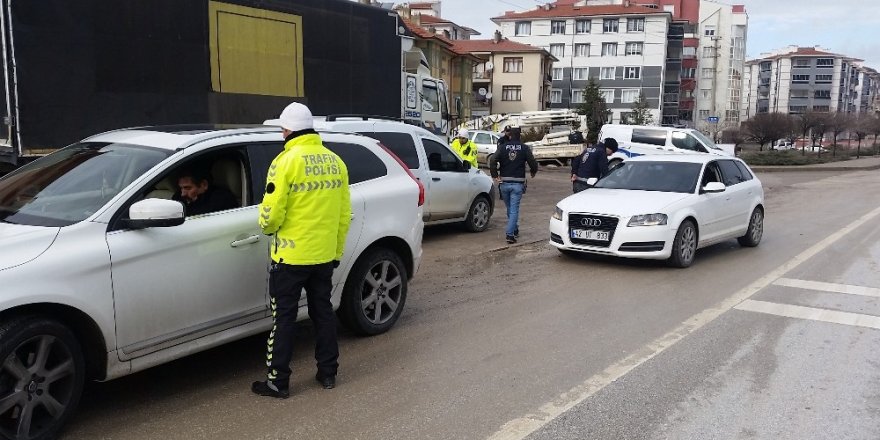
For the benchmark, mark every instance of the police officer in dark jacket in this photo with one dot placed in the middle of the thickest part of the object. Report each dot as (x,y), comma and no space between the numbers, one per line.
(508,168)
(591,163)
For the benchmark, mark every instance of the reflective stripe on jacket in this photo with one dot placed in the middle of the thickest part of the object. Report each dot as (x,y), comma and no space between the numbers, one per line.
(467,151)
(307,205)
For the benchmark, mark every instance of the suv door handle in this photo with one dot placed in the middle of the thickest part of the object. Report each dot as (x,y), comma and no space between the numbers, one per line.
(245,241)
(436,179)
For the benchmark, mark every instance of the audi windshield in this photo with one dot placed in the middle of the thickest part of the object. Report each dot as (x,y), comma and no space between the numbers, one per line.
(70,185)
(678,177)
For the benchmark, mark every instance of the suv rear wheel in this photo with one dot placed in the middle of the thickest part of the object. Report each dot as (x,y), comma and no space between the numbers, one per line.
(374,292)
(41,379)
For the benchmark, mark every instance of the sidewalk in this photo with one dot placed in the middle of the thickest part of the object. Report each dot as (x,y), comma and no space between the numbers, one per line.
(864,163)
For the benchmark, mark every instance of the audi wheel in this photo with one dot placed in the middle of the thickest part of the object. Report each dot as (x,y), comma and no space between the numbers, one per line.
(755,231)
(684,247)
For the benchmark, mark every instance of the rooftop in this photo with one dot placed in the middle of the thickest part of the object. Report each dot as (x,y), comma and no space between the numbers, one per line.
(503,45)
(568,10)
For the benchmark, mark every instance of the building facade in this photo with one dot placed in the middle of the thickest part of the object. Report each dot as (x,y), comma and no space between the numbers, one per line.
(623,47)
(721,58)
(799,79)
(512,77)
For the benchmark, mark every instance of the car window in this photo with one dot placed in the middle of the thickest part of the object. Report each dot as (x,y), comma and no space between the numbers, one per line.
(495,139)
(731,173)
(686,142)
(679,177)
(649,136)
(440,158)
(712,174)
(70,185)
(744,170)
(401,144)
(362,163)
(483,138)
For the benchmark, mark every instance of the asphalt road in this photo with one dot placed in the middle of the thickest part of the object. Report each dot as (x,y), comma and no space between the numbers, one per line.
(521,342)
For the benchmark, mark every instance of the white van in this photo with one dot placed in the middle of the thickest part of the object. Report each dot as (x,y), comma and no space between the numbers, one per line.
(638,140)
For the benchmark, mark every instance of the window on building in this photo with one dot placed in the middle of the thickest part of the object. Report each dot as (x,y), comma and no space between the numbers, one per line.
(582,26)
(687,52)
(556,74)
(821,108)
(635,25)
(609,49)
(705,94)
(606,73)
(825,62)
(626,117)
(688,73)
(580,73)
(632,72)
(800,79)
(629,95)
(511,93)
(634,48)
(822,94)
(703,114)
(610,25)
(765,66)
(797,108)
(801,62)
(581,50)
(513,65)
(577,96)
(707,73)
(709,52)
(555,96)
(823,79)
(523,28)
(607,94)
(557,50)
(557,27)
(709,30)
(800,94)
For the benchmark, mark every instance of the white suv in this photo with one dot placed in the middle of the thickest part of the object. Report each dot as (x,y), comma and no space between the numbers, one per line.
(454,191)
(103,276)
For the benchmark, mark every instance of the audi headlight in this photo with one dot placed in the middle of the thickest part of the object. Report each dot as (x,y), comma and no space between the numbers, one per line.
(557,214)
(647,220)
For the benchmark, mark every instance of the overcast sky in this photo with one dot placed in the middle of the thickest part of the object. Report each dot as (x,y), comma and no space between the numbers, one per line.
(849,27)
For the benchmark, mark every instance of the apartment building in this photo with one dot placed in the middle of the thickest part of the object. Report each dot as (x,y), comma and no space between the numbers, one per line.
(799,79)
(512,77)
(622,46)
(868,90)
(447,28)
(721,58)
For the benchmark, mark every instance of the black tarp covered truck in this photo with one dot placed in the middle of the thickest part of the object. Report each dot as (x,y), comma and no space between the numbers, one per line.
(76,68)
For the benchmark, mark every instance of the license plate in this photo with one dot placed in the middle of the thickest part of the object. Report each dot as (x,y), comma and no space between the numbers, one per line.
(590,234)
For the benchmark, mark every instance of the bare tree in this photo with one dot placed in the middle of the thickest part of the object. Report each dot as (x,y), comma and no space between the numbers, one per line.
(837,124)
(765,128)
(874,127)
(793,129)
(806,122)
(860,127)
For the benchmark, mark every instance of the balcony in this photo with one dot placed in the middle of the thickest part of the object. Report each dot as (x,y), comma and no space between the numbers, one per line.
(482,77)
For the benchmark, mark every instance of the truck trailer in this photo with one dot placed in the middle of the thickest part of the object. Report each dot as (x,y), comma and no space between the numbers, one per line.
(73,69)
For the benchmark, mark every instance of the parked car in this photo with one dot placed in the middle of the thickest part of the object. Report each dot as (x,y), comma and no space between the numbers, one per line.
(637,140)
(102,275)
(486,142)
(782,145)
(663,207)
(454,191)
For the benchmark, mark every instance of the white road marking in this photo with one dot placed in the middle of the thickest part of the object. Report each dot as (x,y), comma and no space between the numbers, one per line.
(810,313)
(828,287)
(522,427)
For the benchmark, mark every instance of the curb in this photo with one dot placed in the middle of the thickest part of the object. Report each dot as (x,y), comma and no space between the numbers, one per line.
(513,246)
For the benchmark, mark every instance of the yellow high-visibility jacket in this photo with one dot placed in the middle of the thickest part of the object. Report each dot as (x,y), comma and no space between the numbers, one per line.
(307,205)
(467,151)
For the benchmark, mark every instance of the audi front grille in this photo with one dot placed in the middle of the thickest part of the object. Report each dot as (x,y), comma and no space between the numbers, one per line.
(594,222)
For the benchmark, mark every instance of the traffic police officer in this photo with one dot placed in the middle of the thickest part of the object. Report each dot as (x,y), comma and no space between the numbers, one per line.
(508,168)
(307,211)
(591,163)
(466,149)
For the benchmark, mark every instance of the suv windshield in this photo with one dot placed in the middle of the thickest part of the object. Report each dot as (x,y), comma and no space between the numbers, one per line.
(706,141)
(70,185)
(679,177)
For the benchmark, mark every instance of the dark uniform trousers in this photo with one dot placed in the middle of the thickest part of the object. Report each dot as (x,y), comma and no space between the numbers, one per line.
(286,283)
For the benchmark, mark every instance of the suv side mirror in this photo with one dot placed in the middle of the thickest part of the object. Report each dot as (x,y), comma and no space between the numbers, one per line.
(714,187)
(154,213)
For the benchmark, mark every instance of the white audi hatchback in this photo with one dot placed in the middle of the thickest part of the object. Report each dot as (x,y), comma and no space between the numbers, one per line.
(663,207)
(103,275)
